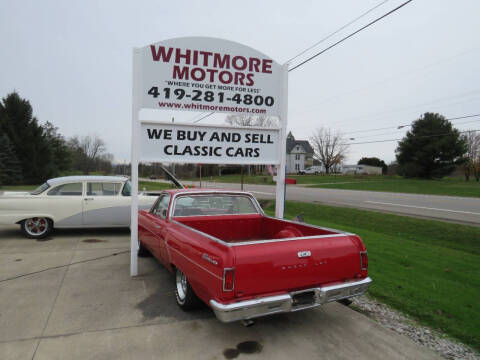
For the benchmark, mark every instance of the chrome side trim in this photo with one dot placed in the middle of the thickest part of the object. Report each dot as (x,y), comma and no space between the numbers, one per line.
(259,208)
(256,241)
(287,239)
(249,309)
(192,216)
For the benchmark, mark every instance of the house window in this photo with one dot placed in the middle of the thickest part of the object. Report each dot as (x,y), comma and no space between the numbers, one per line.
(297,156)
(298,148)
(297,167)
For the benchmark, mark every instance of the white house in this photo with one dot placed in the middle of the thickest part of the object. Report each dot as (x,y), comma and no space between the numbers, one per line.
(299,154)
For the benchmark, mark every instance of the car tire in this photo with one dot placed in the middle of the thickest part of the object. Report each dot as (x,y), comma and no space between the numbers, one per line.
(142,250)
(184,294)
(36,227)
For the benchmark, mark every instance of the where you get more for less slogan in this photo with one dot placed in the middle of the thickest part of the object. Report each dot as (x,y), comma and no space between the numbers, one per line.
(189,74)
(208,144)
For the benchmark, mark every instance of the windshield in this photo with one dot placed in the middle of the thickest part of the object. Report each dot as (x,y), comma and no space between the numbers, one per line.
(213,204)
(127,189)
(40,189)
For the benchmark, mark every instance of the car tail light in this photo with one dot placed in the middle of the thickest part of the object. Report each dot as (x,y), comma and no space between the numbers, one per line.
(363,260)
(228,279)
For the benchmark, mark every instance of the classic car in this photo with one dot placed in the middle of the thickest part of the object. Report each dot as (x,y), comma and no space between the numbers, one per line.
(71,202)
(226,252)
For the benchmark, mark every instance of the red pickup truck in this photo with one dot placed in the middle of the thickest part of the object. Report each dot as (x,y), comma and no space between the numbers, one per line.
(244,264)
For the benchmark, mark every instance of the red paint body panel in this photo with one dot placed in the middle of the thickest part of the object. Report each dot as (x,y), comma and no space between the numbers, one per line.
(264,252)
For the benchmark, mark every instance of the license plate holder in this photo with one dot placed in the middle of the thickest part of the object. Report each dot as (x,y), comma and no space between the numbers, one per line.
(303,298)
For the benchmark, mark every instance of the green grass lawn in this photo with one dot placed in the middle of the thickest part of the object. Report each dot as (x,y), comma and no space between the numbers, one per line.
(427,269)
(446,186)
(236,178)
(153,185)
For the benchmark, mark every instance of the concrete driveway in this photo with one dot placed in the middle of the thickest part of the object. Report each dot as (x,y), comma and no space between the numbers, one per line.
(71,297)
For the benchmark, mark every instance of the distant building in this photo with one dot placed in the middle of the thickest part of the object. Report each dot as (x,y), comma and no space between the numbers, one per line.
(361,169)
(299,154)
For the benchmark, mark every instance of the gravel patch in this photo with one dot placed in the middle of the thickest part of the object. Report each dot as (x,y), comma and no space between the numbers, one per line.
(404,325)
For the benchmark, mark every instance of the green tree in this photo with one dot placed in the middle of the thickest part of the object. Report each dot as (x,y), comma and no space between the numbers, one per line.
(374,161)
(62,155)
(10,169)
(431,149)
(27,138)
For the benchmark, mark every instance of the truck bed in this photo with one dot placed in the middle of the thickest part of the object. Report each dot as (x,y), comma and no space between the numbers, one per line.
(243,228)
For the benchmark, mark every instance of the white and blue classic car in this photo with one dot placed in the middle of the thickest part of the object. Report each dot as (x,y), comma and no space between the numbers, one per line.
(71,202)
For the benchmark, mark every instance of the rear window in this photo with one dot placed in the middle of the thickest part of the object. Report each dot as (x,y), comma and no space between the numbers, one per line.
(103,189)
(201,205)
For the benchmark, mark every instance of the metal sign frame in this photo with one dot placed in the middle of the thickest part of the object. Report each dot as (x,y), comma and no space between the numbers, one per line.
(137,89)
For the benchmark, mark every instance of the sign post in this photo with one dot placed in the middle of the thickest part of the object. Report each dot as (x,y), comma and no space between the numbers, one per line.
(282,150)
(206,74)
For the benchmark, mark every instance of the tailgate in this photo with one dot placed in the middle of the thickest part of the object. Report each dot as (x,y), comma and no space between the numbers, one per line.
(296,264)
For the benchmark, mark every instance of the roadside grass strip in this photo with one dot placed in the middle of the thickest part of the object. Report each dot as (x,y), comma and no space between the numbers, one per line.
(427,269)
(148,185)
(455,186)
(153,185)
(449,187)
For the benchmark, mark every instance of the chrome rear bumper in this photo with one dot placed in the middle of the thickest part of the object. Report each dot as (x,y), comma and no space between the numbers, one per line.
(249,309)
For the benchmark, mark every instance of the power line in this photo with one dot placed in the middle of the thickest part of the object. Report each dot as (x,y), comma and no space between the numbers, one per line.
(425,136)
(197,116)
(397,132)
(203,117)
(338,42)
(337,31)
(384,81)
(349,36)
(440,101)
(401,126)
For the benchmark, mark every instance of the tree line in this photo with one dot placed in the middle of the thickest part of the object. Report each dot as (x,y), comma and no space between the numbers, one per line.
(432,148)
(31,153)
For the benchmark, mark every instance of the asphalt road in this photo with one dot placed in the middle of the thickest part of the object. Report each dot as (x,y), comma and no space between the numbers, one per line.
(70,296)
(448,208)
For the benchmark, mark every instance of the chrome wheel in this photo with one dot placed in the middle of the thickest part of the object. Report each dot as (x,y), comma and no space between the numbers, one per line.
(37,226)
(182,286)
(184,294)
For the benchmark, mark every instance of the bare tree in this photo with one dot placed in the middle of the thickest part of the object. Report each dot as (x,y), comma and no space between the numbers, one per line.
(87,149)
(330,147)
(248,120)
(472,157)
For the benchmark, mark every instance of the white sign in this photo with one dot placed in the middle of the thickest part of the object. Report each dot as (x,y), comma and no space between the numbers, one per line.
(208,144)
(208,74)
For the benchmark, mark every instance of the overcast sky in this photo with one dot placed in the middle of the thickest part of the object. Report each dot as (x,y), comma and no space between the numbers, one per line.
(73,61)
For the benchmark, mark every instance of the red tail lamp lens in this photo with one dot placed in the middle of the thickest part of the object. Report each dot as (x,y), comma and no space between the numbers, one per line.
(363,260)
(228,279)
